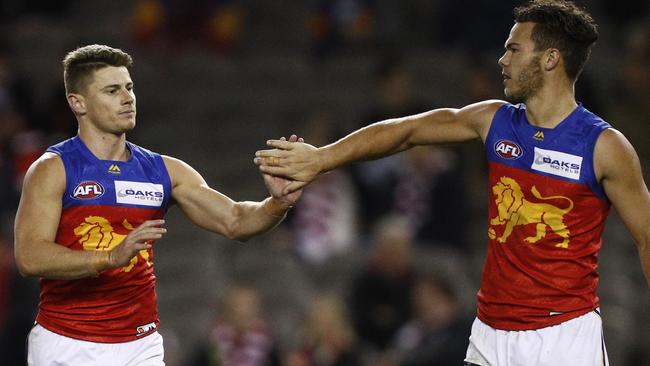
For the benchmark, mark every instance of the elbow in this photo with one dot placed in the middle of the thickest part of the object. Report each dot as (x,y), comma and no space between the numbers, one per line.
(242,238)
(26,263)
(26,268)
(237,235)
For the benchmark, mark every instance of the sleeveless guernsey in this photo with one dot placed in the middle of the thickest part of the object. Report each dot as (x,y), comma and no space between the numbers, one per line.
(547,212)
(104,200)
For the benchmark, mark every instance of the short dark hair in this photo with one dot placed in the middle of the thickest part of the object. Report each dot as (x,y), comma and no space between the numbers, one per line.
(563,25)
(79,64)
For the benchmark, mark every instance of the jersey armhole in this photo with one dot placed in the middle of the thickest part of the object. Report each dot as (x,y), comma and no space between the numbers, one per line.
(488,139)
(66,170)
(594,184)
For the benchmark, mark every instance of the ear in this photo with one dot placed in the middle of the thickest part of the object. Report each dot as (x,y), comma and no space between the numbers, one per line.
(551,59)
(77,104)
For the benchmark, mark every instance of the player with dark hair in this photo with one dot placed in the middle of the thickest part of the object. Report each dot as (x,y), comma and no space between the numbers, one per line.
(92,207)
(555,169)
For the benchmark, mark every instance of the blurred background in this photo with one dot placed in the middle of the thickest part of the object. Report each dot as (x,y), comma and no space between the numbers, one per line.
(380,262)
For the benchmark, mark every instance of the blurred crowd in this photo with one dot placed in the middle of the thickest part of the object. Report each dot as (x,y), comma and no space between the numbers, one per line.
(387,245)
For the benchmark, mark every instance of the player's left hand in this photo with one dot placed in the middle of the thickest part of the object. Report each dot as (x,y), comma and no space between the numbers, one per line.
(277,185)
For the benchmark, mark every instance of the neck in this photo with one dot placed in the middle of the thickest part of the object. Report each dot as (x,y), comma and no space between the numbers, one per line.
(105,146)
(550,106)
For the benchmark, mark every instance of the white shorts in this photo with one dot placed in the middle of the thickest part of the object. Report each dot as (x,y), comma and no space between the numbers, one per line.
(576,342)
(46,348)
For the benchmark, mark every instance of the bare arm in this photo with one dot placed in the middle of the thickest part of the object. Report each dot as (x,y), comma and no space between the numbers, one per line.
(303,162)
(618,168)
(37,221)
(218,213)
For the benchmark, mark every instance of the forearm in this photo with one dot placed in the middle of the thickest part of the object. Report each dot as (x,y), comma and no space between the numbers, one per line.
(253,218)
(53,261)
(380,139)
(371,142)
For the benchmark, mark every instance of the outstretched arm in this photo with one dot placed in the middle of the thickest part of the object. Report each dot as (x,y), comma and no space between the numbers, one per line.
(303,162)
(37,221)
(218,213)
(619,170)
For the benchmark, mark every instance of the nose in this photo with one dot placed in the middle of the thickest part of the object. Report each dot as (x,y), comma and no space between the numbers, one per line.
(127,96)
(504,60)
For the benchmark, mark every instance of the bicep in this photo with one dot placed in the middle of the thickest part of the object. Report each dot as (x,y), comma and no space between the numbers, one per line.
(618,167)
(448,125)
(39,211)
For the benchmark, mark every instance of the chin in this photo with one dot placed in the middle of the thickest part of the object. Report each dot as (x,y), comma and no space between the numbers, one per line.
(130,125)
(513,97)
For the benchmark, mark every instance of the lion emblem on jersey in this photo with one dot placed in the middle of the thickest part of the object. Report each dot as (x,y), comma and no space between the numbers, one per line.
(515,210)
(97,233)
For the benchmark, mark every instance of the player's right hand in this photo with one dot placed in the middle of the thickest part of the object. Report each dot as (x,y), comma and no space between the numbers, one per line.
(297,161)
(138,239)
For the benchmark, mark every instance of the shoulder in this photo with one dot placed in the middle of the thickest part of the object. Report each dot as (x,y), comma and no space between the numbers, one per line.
(613,142)
(47,171)
(173,163)
(480,114)
(485,109)
(49,162)
(180,171)
(613,152)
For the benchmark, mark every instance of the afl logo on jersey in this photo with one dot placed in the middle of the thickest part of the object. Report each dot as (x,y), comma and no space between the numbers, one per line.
(507,149)
(87,190)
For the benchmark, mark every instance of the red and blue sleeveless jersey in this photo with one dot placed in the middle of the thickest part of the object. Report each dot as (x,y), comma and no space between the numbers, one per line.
(547,212)
(104,200)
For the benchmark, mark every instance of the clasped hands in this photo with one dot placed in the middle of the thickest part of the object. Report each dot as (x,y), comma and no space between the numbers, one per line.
(292,159)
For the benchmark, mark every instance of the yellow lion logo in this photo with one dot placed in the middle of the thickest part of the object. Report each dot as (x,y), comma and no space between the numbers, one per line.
(96,233)
(513,210)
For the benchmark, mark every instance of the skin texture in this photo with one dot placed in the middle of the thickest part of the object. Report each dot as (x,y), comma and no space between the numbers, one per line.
(536,78)
(106,111)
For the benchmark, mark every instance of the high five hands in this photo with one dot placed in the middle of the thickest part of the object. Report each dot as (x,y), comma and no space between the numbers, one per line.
(292,159)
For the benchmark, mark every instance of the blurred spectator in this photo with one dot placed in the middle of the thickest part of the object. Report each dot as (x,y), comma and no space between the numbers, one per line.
(219,24)
(324,220)
(241,336)
(148,20)
(328,339)
(437,335)
(420,184)
(380,293)
(333,24)
(374,180)
(429,193)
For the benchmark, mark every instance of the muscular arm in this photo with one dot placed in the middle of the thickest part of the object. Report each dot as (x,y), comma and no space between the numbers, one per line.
(216,212)
(618,168)
(37,221)
(304,163)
